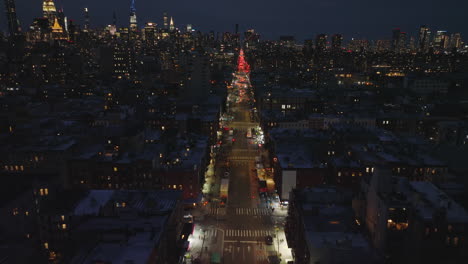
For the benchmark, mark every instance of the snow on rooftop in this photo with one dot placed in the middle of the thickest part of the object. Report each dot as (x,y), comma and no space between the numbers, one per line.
(434,199)
(337,240)
(91,204)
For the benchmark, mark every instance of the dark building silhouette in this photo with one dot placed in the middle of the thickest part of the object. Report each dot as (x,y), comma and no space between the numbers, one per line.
(13,24)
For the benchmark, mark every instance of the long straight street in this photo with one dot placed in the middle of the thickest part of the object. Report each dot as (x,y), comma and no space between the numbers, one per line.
(240,226)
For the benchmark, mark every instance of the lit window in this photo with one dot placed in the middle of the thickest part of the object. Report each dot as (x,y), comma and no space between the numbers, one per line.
(116,169)
(62,217)
(46,191)
(64,226)
(339,174)
(46,245)
(283,106)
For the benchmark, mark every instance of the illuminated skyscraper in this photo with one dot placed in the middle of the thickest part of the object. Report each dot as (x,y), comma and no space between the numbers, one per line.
(424,38)
(49,11)
(441,40)
(165,21)
(86,17)
(133,17)
(13,24)
(171,25)
(455,41)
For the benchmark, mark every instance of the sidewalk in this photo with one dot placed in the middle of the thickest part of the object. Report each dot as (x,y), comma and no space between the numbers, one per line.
(284,252)
(202,244)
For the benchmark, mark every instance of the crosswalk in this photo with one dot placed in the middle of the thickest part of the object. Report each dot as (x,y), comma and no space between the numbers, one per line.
(253,211)
(247,233)
(217,211)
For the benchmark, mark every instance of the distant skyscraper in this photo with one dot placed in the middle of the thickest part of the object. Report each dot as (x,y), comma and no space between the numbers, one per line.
(171,25)
(49,11)
(61,19)
(165,21)
(13,24)
(86,17)
(412,44)
(321,42)
(133,17)
(402,44)
(455,41)
(395,39)
(441,40)
(149,33)
(424,38)
(399,40)
(337,41)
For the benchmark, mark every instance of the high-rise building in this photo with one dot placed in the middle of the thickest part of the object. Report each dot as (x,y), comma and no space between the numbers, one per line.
(321,42)
(455,41)
(133,17)
(57,31)
(171,25)
(62,19)
(13,24)
(399,40)
(49,11)
(337,41)
(441,40)
(165,21)
(86,17)
(149,34)
(403,40)
(395,38)
(424,38)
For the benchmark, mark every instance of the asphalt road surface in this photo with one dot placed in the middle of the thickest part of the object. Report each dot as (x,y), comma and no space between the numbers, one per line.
(247,223)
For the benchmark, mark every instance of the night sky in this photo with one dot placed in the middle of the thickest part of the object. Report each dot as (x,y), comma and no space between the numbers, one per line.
(373,19)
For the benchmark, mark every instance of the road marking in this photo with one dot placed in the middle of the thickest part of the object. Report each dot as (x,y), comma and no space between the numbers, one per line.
(241,241)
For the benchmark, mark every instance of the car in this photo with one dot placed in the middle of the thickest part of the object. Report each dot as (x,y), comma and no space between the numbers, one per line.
(268,240)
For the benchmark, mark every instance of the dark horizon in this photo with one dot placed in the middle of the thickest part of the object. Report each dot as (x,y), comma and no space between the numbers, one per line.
(354,19)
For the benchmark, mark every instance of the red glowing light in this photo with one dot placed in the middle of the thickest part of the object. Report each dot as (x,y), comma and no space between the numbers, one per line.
(242,65)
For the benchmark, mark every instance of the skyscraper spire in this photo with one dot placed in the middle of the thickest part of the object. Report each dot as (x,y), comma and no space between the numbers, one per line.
(171,25)
(133,17)
(86,17)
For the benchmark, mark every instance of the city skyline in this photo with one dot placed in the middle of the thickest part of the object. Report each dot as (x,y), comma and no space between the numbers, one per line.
(303,20)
